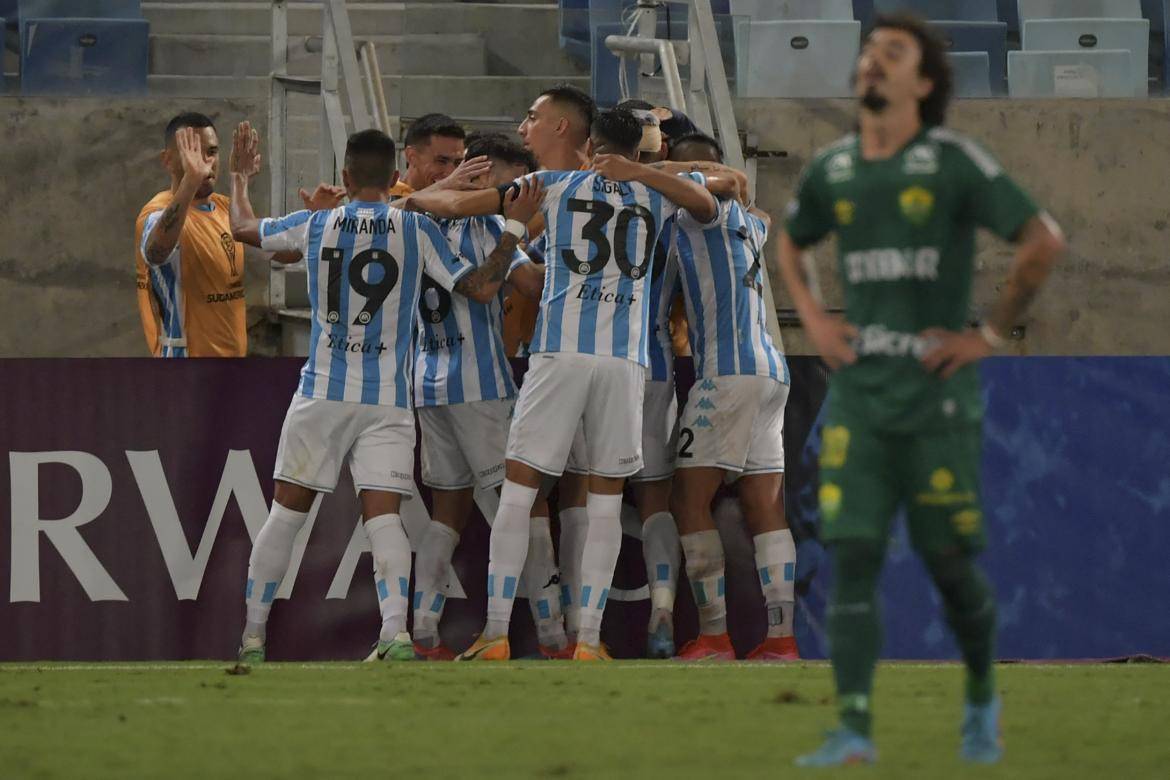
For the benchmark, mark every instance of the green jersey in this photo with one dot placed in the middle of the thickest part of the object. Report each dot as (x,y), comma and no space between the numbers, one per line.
(906,233)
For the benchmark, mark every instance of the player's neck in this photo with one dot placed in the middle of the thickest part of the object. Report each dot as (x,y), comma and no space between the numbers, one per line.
(369,195)
(884,135)
(565,159)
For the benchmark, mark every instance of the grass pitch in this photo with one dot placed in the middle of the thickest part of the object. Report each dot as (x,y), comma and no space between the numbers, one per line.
(557,719)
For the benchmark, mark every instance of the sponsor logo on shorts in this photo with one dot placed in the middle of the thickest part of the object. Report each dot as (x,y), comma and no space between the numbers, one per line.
(707,385)
(834,446)
(967,521)
(400,475)
(628,461)
(705,403)
(830,500)
(942,486)
(701,422)
(492,470)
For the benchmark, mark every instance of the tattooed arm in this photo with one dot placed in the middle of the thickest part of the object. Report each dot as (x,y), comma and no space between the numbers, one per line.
(483,283)
(165,234)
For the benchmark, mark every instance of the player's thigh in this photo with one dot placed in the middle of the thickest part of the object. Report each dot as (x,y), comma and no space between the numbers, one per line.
(578,462)
(314,440)
(613,418)
(548,410)
(766,448)
(482,431)
(382,456)
(659,432)
(715,428)
(943,508)
(860,485)
(444,465)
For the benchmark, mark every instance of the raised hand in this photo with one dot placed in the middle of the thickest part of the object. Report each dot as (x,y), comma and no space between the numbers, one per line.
(245,159)
(461,178)
(190,147)
(523,202)
(616,168)
(325,197)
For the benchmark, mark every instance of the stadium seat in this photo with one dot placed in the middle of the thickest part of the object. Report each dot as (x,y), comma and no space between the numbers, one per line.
(1132,35)
(990,37)
(1079,9)
(84,56)
(777,10)
(972,73)
(1085,73)
(863,12)
(965,10)
(798,59)
(28,10)
(1009,14)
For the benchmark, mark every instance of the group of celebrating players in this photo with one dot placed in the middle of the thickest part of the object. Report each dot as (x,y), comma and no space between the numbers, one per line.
(600,221)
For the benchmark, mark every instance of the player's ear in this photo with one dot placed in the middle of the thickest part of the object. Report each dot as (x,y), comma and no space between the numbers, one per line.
(345,180)
(589,148)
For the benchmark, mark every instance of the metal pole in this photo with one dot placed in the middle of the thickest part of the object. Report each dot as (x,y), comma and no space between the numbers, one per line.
(343,41)
(277,133)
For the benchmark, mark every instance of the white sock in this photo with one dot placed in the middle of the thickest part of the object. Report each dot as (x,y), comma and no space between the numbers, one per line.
(268,564)
(509,548)
(574,528)
(663,554)
(598,560)
(391,572)
(776,564)
(543,585)
(704,552)
(431,564)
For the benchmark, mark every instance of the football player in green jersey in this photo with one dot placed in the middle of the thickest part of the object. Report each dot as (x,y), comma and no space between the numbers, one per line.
(904,197)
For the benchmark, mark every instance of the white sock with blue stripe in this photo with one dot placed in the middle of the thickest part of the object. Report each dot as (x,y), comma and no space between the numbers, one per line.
(663,554)
(431,565)
(543,585)
(391,572)
(574,528)
(704,552)
(776,565)
(508,551)
(598,560)
(268,564)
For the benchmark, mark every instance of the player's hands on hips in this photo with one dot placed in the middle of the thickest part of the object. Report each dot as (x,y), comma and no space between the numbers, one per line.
(462,177)
(325,197)
(245,159)
(616,168)
(195,165)
(522,202)
(951,351)
(832,336)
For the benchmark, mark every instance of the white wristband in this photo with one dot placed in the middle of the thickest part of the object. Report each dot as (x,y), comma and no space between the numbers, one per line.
(993,339)
(516,228)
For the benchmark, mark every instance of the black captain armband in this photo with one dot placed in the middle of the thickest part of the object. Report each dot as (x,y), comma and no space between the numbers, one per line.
(503,189)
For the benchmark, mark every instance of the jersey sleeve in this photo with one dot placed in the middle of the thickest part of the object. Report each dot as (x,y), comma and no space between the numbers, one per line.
(147,228)
(671,209)
(288,234)
(809,216)
(996,202)
(494,225)
(438,261)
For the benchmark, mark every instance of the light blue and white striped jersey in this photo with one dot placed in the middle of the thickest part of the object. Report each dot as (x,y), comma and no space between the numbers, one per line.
(723,287)
(365,263)
(664,285)
(601,237)
(461,350)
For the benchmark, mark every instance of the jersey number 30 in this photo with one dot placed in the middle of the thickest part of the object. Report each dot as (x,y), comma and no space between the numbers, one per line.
(600,214)
(382,266)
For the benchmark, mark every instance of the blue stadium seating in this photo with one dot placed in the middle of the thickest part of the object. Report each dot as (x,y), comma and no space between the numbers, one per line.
(863,12)
(1079,9)
(1132,35)
(799,59)
(1085,73)
(972,73)
(776,10)
(74,9)
(579,17)
(990,37)
(84,56)
(965,10)
(1009,14)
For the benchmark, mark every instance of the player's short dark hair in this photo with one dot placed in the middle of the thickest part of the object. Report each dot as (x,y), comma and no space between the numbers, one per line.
(186,119)
(619,129)
(633,104)
(430,125)
(577,101)
(698,138)
(934,64)
(369,158)
(498,146)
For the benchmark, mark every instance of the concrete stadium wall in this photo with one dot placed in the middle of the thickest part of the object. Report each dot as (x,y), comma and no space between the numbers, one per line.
(73,176)
(1095,165)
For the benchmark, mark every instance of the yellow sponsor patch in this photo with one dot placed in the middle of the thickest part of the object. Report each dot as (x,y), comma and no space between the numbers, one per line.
(834,446)
(830,499)
(845,211)
(967,522)
(917,204)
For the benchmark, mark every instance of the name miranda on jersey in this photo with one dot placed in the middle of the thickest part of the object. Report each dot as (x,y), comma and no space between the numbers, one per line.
(339,344)
(378,227)
(587,292)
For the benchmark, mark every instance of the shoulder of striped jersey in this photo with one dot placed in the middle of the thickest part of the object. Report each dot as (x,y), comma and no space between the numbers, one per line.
(968,148)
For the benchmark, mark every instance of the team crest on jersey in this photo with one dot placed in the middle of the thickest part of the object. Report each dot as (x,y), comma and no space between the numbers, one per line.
(840,167)
(921,159)
(844,210)
(229,249)
(917,204)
